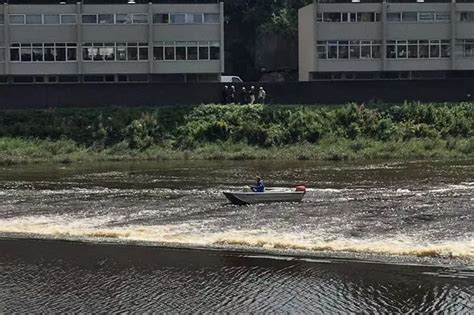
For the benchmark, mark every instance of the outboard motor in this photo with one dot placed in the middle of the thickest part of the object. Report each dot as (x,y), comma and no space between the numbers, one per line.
(301,188)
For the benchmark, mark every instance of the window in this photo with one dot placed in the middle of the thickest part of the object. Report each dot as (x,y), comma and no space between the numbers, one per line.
(365,49)
(321,50)
(106,19)
(332,17)
(71,51)
(354,49)
(467,16)
(394,17)
(60,52)
(412,49)
(2,19)
(178,18)
(140,18)
(212,18)
(37,52)
(25,52)
(89,19)
(203,51)
(332,49)
(181,51)
(445,49)
(34,19)
(121,51)
(143,51)
(192,51)
(402,49)
(17,19)
(409,16)
(343,49)
(443,17)
(435,49)
(2,54)
(132,51)
(15,52)
(161,18)
(49,52)
(426,16)
(51,19)
(391,49)
(215,51)
(107,52)
(423,49)
(123,19)
(376,49)
(365,17)
(169,51)
(193,18)
(68,19)
(465,47)
(158,52)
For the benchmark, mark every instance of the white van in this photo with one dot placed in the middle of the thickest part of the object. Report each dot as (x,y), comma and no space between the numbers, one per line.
(231,79)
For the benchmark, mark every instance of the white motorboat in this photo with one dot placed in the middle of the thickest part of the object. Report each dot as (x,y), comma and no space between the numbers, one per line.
(269,196)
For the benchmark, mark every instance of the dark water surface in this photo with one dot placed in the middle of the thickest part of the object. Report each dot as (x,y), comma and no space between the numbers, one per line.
(378,237)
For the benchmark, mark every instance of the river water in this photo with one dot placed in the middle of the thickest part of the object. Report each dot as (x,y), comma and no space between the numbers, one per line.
(160,236)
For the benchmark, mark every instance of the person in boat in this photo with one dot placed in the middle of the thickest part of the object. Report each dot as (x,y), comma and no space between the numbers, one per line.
(259,187)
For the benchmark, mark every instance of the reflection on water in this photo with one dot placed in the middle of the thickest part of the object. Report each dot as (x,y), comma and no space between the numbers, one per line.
(44,276)
(407,213)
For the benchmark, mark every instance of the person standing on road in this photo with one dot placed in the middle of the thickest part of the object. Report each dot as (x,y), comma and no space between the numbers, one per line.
(261,95)
(252,94)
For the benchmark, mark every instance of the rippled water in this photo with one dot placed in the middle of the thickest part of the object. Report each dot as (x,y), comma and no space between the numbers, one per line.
(350,246)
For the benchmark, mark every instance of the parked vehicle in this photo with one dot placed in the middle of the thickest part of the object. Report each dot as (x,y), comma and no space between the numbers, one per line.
(231,79)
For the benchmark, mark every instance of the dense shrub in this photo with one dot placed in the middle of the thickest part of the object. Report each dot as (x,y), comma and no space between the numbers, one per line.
(258,125)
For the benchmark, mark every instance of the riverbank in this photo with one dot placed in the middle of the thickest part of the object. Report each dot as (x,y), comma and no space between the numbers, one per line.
(21,151)
(217,132)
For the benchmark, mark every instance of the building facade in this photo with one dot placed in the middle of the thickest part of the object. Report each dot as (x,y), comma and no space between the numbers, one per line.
(111,41)
(386,39)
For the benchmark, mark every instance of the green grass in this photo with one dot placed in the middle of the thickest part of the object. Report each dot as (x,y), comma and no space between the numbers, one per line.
(18,151)
(239,132)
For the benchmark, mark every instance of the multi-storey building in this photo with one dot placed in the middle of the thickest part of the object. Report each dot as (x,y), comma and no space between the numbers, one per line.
(60,41)
(386,39)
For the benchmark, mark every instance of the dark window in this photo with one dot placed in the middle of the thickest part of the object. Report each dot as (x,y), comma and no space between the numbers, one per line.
(60,52)
(192,51)
(211,18)
(143,53)
(26,52)
(89,19)
(180,52)
(37,52)
(132,53)
(215,51)
(15,54)
(121,51)
(106,19)
(158,52)
(68,79)
(203,53)
(161,18)
(123,19)
(169,53)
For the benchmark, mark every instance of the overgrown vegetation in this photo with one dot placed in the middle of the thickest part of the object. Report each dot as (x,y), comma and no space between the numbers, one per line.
(352,131)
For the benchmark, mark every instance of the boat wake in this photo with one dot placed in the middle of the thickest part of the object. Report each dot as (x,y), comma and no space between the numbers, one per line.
(187,235)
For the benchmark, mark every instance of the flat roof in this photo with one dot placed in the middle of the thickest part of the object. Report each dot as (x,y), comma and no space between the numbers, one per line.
(104,2)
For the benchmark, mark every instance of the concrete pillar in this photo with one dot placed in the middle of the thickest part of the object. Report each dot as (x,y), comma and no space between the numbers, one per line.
(383,20)
(150,38)
(453,34)
(6,37)
(80,65)
(222,43)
